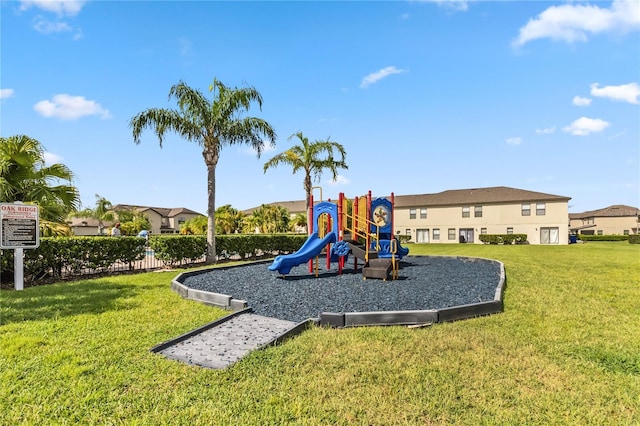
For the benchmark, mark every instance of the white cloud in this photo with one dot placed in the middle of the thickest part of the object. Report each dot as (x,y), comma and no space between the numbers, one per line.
(6,93)
(340,180)
(379,75)
(458,5)
(625,92)
(546,131)
(51,158)
(45,26)
(578,101)
(574,22)
(583,126)
(185,46)
(67,107)
(514,141)
(59,7)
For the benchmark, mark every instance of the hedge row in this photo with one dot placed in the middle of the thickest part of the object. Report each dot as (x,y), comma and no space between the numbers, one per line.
(178,249)
(584,237)
(63,257)
(634,239)
(503,238)
(58,257)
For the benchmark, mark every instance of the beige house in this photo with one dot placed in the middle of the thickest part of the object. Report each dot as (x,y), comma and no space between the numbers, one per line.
(462,215)
(82,227)
(163,220)
(612,220)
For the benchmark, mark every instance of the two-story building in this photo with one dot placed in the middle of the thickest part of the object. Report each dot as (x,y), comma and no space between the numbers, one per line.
(612,220)
(461,215)
(163,220)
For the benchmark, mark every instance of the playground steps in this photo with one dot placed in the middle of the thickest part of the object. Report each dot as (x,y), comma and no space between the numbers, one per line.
(221,343)
(377,268)
(360,252)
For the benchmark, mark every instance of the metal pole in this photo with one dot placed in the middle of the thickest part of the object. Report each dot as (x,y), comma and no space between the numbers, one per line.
(18,269)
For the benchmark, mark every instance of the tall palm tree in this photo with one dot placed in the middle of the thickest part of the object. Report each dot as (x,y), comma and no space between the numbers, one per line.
(313,158)
(211,124)
(24,176)
(102,212)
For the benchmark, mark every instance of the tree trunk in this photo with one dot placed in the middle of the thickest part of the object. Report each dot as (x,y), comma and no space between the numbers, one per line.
(211,214)
(307,190)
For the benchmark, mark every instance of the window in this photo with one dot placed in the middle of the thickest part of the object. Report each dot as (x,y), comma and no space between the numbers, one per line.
(465,211)
(423,213)
(526,210)
(477,211)
(540,209)
(599,231)
(436,234)
(509,230)
(483,231)
(452,234)
(412,213)
(625,232)
(407,232)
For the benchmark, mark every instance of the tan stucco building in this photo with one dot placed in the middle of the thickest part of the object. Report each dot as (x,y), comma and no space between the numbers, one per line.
(163,220)
(612,220)
(462,215)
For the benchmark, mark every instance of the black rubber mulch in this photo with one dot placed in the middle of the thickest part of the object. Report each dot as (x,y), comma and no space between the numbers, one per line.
(425,282)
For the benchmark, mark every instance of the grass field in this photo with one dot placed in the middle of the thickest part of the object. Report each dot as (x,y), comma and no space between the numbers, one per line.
(565,351)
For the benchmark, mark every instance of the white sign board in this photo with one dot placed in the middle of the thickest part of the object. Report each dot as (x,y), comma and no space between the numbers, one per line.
(20,226)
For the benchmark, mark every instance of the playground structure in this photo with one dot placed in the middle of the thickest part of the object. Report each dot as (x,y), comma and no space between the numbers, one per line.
(362,227)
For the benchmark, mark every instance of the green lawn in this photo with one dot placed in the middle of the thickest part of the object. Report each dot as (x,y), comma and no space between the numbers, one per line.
(566,350)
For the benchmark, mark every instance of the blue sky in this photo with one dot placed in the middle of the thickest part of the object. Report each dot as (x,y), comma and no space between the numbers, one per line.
(425,96)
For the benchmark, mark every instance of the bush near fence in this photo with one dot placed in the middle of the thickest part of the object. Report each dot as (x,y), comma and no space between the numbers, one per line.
(503,238)
(584,237)
(63,258)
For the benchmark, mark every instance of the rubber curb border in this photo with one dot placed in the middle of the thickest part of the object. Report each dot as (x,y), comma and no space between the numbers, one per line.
(355,319)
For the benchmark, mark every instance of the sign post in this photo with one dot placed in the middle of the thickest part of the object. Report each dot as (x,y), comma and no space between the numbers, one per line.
(20,229)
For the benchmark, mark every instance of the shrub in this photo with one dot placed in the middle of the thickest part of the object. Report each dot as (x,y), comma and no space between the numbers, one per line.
(506,239)
(59,256)
(174,250)
(634,239)
(584,237)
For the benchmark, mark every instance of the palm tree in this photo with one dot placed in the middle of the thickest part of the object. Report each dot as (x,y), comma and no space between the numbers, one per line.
(212,125)
(25,177)
(309,157)
(228,220)
(299,221)
(102,212)
(268,218)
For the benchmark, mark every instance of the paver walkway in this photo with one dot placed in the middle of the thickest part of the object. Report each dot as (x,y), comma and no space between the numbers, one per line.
(224,342)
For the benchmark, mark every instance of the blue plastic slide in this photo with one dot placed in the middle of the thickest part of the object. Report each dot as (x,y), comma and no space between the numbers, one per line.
(310,249)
